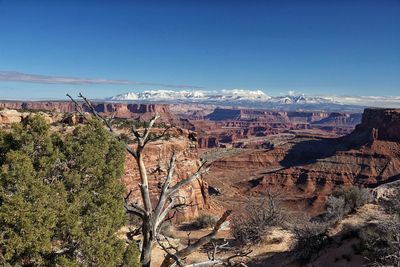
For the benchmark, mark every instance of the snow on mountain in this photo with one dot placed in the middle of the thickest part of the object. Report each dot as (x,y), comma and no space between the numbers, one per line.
(169,95)
(300,99)
(159,95)
(235,95)
(258,98)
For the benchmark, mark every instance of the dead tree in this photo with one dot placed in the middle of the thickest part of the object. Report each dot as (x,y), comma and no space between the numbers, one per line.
(174,258)
(168,200)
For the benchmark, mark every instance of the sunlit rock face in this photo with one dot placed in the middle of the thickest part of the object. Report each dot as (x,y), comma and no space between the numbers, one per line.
(306,169)
(369,156)
(157,155)
(118,110)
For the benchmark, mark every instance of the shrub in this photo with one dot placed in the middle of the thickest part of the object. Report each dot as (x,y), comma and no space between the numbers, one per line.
(166,229)
(346,200)
(250,226)
(380,244)
(125,138)
(392,203)
(311,238)
(204,221)
(335,208)
(131,256)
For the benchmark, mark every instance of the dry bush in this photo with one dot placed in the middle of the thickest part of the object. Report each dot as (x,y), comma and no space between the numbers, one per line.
(167,229)
(335,208)
(392,204)
(380,244)
(204,221)
(346,200)
(311,238)
(249,226)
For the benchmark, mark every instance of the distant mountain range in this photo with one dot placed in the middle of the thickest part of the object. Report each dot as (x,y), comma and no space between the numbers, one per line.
(198,96)
(258,99)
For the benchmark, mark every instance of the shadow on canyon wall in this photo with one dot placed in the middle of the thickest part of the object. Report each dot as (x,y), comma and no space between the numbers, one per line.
(310,151)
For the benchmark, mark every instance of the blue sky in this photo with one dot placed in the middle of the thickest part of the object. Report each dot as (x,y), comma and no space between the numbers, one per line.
(314,47)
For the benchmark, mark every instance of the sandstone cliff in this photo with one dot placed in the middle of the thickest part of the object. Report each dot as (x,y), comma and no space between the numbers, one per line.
(10,116)
(235,127)
(306,169)
(369,156)
(156,156)
(382,124)
(120,110)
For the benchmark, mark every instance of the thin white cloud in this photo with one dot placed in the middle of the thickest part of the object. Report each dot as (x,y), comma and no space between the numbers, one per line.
(15,76)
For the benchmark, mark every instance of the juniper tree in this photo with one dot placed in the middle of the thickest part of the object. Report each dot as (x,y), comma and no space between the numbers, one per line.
(60,197)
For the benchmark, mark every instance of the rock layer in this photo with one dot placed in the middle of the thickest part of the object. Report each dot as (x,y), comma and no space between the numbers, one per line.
(119,110)
(157,155)
(383,124)
(306,169)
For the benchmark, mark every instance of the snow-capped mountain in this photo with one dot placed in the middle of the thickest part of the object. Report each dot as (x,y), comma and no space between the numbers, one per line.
(159,95)
(258,99)
(197,96)
(300,99)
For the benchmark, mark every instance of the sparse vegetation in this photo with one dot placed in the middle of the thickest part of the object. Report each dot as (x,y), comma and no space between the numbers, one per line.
(311,238)
(380,244)
(204,221)
(125,138)
(166,229)
(346,200)
(258,217)
(138,124)
(131,256)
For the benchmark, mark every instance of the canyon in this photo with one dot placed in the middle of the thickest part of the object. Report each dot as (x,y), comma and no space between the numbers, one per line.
(304,169)
(302,155)
(248,127)
(216,126)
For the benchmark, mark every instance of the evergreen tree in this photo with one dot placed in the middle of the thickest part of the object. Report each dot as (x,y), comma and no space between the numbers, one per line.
(60,197)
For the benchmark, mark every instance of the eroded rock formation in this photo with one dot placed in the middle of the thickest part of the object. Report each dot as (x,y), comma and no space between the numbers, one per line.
(306,169)
(369,156)
(10,116)
(119,110)
(157,155)
(226,127)
(382,124)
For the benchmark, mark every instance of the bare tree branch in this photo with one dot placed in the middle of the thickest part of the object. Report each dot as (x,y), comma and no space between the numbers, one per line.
(158,137)
(201,170)
(163,194)
(169,261)
(78,107)
(170,254)
(133,207)
(96,114)
(148,128)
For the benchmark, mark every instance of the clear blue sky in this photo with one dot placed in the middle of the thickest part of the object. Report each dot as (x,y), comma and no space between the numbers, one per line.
(339,47)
